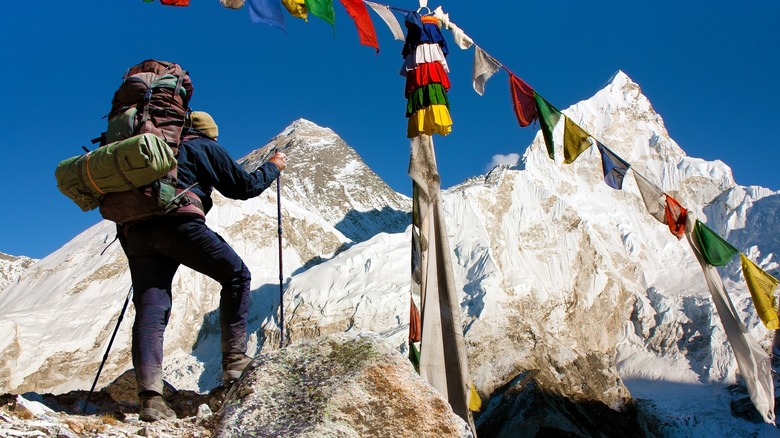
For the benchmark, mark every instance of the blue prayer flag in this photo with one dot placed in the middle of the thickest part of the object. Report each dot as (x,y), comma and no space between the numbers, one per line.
(267,12)
(615,168)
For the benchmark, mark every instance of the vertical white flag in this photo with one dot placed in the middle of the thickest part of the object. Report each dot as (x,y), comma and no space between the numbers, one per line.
(752,360)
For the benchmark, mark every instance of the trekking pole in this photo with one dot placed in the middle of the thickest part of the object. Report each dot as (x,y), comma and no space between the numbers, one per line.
(105,356)
(281,277)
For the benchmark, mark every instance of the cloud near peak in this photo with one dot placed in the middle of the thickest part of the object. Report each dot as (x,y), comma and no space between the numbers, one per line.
(499,159)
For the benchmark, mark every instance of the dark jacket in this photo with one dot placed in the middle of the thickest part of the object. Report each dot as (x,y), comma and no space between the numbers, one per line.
(204,161)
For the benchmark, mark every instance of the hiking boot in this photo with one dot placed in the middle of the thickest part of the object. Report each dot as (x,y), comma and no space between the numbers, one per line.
(154,408)
(233,365)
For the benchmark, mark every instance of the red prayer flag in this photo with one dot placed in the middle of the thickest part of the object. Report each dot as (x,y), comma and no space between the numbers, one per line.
(675,216)
(523,101)
(175,2)
(357,10)
(415,324)
(425,74)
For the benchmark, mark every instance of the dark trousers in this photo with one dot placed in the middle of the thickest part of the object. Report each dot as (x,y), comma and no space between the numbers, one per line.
(155,249)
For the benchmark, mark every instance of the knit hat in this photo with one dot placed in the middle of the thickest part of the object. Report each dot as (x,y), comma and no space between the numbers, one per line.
(204,123)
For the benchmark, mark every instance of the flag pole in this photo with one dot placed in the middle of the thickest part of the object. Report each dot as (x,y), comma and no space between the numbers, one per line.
(281,270)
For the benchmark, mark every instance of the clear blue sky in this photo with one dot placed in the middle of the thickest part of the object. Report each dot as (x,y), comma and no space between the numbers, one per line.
(709,68)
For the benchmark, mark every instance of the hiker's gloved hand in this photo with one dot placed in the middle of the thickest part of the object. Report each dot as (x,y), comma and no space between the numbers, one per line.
(280,159)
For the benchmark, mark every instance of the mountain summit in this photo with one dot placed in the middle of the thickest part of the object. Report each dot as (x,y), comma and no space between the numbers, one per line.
(574,297)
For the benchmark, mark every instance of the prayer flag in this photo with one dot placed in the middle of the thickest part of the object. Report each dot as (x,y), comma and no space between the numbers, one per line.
(549,117)
(443,360)
(761,285)
(752,359)
(390,20)
(485,66)
(357,10)
(715,250)
(322,9)
(653,197)
(615,168)
(675,216)
(461,39)
(175,2)
(414,323)
(296,8)
(267,12)
(575,140)
(232,4)
(522,101)
(475,403)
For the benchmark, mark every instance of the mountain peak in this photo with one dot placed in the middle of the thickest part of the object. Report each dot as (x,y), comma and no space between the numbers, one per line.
(304,126)
(619,78)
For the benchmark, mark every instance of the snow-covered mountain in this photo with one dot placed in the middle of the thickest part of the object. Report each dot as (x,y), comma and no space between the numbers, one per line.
(566,282)
(11,267)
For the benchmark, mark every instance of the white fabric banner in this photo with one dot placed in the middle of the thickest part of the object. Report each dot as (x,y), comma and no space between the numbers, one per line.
(752,360)
(387,16)
(654,197)
(443,360)
(485,66)
(461,39)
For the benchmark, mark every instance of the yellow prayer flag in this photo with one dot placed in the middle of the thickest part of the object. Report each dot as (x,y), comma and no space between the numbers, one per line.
(296,8)
(475,403)
(575,141)
(761,286)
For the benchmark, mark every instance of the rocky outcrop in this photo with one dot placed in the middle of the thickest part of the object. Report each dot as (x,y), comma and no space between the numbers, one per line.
(339,385)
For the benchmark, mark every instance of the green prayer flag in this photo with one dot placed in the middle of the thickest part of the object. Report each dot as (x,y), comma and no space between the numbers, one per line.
(715,250)
(548,117)
(414,357)
(575,141)
(322,9)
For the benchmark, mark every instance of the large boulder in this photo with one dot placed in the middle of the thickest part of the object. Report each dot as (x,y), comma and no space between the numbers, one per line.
(338,385)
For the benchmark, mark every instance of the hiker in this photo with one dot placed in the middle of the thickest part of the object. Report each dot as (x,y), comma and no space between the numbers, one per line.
(156,247)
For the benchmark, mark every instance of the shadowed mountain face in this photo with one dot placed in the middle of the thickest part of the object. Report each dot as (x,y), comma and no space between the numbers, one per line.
(573,295)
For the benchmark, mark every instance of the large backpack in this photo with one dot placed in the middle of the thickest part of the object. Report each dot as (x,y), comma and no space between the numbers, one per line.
(148,114)
(154,97)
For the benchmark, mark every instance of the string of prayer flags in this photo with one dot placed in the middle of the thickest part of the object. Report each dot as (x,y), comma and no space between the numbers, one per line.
(267,12)
(761,286)
(615,168)
(387,16)
(549,117)
(575,140)
(322,9)
(485,66)
(522,101)
(715,250)
(675,216)
(425,69)
(359,13)
(297,8)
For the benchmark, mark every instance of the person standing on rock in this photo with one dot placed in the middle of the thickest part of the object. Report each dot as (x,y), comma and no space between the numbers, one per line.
(156,247)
